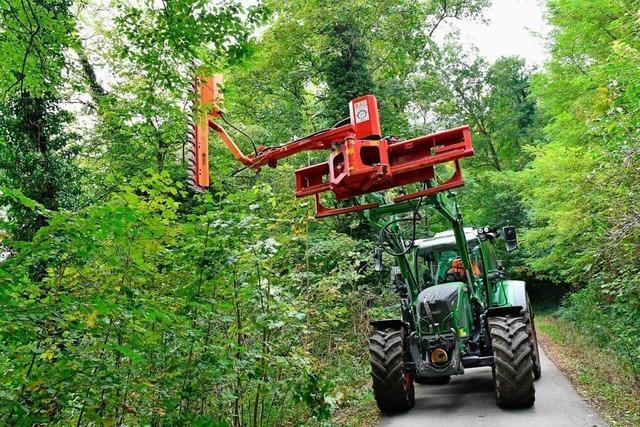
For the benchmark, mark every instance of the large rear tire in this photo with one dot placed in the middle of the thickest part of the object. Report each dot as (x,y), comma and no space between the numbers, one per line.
(513,370)
(432,380)
(392,386)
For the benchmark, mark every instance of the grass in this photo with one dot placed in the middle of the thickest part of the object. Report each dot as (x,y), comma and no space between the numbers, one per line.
(361,411)
(598,375)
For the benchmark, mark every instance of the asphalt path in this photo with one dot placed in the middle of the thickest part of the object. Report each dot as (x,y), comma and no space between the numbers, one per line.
(468,400)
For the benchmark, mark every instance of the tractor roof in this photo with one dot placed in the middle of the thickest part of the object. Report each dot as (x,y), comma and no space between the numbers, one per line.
(443,241)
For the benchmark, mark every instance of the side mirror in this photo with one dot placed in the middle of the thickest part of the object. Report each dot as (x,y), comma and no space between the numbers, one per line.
(509,234)
(377,259)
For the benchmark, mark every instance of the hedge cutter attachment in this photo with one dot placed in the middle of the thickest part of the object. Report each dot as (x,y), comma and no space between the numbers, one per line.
(361,161)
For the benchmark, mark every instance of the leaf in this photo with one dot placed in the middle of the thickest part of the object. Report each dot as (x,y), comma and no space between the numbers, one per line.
(91,319)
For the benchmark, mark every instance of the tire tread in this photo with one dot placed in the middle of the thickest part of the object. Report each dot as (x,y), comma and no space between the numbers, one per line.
(387,371)
(513,361)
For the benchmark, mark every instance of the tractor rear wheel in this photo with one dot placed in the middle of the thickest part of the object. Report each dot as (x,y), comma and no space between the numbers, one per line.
(432,380)
(392,386)
(513,367)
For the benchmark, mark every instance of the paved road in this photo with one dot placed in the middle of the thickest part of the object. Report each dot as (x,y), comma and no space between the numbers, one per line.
(468,401)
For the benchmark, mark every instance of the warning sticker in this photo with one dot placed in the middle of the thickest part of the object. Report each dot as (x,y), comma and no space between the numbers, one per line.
(361,111)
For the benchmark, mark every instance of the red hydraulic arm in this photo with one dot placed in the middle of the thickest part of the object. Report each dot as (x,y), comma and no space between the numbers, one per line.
(360,162)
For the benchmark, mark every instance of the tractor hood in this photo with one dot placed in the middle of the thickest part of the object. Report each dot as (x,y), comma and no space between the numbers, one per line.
(443,241)
(444,305)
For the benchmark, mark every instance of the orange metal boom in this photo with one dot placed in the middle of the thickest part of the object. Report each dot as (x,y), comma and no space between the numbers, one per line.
(360,162)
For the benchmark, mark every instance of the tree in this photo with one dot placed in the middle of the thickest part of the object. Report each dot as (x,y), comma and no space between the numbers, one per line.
(581,188)
(37,156)
(590,100)
(514,122)
(494,100)
(316,56)
(36,148)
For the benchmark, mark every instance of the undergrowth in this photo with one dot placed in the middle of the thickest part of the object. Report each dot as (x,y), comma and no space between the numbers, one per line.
(599,374)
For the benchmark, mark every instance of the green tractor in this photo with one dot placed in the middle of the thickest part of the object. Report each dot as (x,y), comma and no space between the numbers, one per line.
(459,310)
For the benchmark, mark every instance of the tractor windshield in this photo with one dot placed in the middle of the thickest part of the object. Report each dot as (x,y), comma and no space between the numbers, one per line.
(439,261)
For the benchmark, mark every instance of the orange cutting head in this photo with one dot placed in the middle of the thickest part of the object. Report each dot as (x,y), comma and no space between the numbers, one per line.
(206,103)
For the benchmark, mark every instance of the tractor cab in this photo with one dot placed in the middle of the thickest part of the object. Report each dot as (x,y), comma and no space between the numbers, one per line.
(439,259)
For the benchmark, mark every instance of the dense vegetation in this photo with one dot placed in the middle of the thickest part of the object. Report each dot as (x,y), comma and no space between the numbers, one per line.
(125,299)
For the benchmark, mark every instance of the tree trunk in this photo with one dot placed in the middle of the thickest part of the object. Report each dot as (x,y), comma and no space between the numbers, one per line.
(494,155)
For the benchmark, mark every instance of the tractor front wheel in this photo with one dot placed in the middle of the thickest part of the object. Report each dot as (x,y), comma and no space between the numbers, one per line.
(432,380)
(392,385)
(513,366)
(531,330)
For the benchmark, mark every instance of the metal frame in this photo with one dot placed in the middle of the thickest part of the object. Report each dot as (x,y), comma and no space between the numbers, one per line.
(360,160)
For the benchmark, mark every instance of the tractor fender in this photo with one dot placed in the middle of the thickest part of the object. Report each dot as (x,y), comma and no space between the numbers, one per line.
(381,325)
(509,297)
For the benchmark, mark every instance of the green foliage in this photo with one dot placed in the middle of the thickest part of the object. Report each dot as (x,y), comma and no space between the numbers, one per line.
(491,197)
(126,300)
(37,156)
(582,188)
(36,147)
(459,88)
(34,36)
(146,313)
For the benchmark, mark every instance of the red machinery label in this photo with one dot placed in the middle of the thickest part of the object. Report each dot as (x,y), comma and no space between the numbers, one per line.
(364,117)
(361,110)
